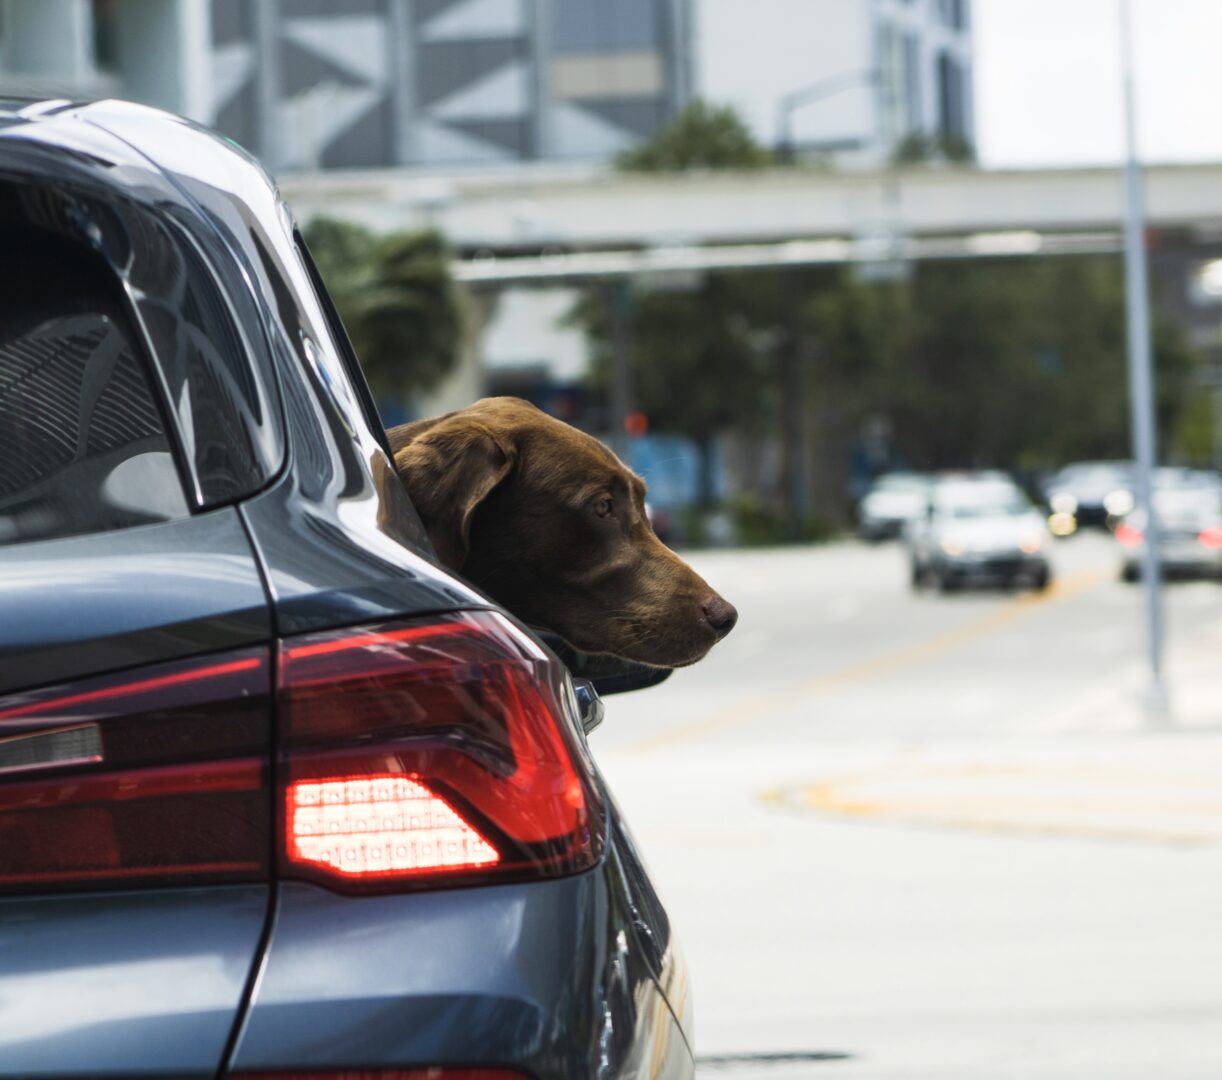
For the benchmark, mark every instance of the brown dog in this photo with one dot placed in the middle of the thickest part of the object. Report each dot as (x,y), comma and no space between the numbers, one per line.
(550,524)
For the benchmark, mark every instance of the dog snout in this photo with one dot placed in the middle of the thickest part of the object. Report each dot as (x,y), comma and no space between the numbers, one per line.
(720,614)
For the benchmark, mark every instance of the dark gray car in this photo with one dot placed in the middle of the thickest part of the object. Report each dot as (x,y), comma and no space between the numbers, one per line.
(277,794)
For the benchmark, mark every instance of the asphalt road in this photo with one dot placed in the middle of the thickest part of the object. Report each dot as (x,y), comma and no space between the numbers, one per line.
(935,836)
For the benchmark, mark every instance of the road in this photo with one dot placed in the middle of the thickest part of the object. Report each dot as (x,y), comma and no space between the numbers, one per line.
(928,836)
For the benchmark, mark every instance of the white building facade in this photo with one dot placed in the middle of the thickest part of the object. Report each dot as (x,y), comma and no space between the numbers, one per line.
(848,79)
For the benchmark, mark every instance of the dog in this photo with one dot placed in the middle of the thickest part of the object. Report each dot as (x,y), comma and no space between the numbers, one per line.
(550,523)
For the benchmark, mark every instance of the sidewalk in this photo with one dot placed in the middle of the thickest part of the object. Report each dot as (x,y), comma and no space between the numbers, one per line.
(1102,767)
(1192,675)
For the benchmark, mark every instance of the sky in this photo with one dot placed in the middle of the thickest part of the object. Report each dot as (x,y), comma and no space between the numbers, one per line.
(1048,81)
(1047,74)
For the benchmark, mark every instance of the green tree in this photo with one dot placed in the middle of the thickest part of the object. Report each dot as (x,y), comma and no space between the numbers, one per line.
(702,136)
(397,300)
(918,147)
(1007,363)
(700,361)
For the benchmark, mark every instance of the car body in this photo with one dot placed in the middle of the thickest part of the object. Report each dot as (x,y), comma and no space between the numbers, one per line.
(278,794)
(1188,503)
(978,530)
(1089,493)
(893,500)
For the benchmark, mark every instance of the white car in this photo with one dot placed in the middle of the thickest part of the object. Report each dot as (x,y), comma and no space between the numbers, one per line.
(892,501)
(978,531)
(1189,508)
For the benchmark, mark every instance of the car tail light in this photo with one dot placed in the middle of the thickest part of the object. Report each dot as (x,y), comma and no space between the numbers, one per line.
(430,753)
(1211,538)
(1129,535)
(156,776)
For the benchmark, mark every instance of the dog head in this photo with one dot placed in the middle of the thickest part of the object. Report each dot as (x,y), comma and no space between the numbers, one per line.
(552,525)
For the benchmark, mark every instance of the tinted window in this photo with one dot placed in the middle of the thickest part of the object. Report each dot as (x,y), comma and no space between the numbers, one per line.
(83,446)
(899,483)
(216,372)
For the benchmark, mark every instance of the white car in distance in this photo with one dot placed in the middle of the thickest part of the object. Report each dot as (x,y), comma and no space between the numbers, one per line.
(978,531)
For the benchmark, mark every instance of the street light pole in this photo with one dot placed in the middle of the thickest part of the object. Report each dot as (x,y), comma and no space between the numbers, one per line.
(1141,382)
(788,104)
(619,295)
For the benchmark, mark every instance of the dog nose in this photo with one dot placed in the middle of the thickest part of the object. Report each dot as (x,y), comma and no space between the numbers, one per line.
(720,614)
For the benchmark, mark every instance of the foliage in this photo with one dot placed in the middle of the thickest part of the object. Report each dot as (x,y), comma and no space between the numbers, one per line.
(397,300)
(700,361)
(1012,364)
(758,523)
(918,147)
(1006,363)
(702,136)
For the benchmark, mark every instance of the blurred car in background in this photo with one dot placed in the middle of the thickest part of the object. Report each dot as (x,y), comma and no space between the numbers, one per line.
(1088,493)
(978,530)
(1188,503)
(892,501)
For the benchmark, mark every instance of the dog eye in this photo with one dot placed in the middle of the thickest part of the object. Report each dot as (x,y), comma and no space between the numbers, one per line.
(603,508)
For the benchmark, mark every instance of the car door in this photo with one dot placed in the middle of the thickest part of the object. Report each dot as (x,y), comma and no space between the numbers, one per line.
(134,706)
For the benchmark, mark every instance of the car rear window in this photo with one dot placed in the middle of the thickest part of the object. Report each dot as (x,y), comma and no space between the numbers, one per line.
(83,443)
(981,500)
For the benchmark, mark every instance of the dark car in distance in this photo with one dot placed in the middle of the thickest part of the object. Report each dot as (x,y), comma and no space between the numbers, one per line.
(1089,493)
(278,795)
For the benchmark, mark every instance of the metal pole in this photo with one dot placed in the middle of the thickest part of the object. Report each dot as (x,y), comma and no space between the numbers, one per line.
(787,104)
(784,140)
(1141,394)
(792,406)
(1216,427)
(619,295)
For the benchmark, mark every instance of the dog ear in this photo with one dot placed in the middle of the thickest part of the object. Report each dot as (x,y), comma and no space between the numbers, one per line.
(449,469)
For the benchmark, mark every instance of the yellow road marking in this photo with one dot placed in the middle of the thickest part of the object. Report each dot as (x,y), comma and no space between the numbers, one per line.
(753,708)
(1050,799)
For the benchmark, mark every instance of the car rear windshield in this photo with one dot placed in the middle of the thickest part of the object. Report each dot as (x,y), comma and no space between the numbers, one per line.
(904,484)
(984,504)
(83,442)
(1197,502)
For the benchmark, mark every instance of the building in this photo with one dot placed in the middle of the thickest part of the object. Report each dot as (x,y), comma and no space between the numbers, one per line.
(366,83)
(848,79)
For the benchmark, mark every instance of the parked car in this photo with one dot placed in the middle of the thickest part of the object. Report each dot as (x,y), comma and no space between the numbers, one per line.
(893,500)
(978,531)
(1089,493)
(278,795)
(1188,504)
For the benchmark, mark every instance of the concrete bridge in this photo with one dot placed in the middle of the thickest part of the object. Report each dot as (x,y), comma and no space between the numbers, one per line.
(629,223)
(541,226)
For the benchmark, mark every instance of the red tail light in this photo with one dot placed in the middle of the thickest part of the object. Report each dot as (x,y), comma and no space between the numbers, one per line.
(1211,538)
(1128,535)
(150,777)
(434,753)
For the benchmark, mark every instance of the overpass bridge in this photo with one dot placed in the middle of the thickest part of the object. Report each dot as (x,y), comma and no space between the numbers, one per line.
(542,222)
(541,225)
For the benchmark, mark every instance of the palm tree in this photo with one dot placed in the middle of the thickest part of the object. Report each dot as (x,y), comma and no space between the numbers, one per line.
(397,300)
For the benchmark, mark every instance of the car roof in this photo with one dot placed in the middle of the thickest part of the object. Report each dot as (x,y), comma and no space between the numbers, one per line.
(984,489)
(1082,468)
(903,479)
(1174,478)
(119,144)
